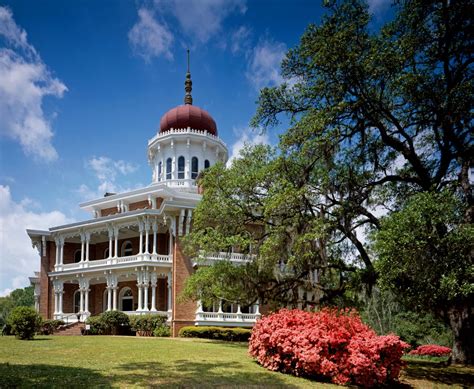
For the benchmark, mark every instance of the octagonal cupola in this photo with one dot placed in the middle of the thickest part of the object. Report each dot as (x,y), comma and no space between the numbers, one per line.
(186,143)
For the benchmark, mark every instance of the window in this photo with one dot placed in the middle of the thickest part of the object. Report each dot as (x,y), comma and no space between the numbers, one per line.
(194,168)
(126,300)
(181,168)
(127,249)
(77,256)
(160,171)
(77,301)
(168,168)
(106,253)
(207,164)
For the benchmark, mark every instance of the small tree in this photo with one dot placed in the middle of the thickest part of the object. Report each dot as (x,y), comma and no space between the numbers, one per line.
(24,322)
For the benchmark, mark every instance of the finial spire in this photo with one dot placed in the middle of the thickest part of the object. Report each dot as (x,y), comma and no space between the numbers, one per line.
(188,87)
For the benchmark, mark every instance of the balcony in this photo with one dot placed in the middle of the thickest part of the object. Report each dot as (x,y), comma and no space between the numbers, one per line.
(208,258)
(228,319)
(119,262)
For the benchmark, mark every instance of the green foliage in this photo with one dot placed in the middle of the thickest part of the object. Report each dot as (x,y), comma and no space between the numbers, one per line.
(418,329)
(216,333)
(109,323)
(425,252)
(24,322)
(23,297)
(145,325)
(49,326)
(162,331)
(97,326)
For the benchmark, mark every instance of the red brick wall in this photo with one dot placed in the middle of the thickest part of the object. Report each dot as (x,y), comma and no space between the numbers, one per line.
(183,312)
(45,285)
(108,211)
(139,205)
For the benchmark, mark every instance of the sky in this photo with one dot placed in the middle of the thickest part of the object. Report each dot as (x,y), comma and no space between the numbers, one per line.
(83,85)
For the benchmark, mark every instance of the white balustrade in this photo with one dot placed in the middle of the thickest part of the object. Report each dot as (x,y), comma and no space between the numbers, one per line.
(91,264)
(223,256)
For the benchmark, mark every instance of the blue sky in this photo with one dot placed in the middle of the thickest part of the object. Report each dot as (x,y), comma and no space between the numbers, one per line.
(83,86)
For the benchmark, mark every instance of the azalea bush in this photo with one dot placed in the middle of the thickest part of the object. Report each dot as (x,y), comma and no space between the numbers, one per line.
(331,344)
(432,350)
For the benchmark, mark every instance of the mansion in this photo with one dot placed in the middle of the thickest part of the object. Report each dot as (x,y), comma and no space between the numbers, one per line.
(129,256)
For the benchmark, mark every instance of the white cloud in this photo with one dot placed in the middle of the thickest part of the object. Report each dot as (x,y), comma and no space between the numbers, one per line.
(24,82)
(246,137)
(149,37)
(202,19)
(240,40)
(264,65)
(106,172)
(18,260)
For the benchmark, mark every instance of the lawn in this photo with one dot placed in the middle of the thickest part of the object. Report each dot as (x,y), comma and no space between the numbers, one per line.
(62,361)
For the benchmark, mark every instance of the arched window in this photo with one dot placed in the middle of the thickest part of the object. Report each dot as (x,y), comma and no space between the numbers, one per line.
(194,167)
(106,253)
(160,170)
(77,256)
(181,168)
(77,301)
(207,164)
(126,300)
(127,249)
(168,168)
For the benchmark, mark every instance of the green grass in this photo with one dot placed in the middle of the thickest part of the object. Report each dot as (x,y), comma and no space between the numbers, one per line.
(108,361)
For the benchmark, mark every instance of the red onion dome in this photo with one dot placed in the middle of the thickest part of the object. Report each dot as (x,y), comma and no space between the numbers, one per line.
(184,116)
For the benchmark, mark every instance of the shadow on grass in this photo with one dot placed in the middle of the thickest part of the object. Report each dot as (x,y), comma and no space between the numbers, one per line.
(439,373)
(49,376)
(185,373)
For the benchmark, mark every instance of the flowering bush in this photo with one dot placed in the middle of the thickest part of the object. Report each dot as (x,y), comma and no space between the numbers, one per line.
(331,344)
(432,350)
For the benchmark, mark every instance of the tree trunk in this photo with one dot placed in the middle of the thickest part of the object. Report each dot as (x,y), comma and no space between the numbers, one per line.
(461,320)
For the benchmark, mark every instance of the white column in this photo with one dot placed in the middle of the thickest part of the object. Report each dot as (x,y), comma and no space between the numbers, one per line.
(257,308)
(146,283)
(88,238)
(109,298)
(86,302)
(140,291)
(170,243)
(61,251)
(154,279)
(36,303)
(114,299)
(169,292)
(81,301)
(147,232)
(60,310)
(116,234)
(111,235)
(140,228)
(56,303)
(155,229)
(82,246)
(56,241)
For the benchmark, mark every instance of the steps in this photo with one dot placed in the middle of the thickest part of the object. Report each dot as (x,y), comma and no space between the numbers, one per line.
(70,330)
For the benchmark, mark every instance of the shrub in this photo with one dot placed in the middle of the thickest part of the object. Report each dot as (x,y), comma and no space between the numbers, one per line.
(96,325)
(24,322)
(216,333)
(145,325)
(162,331)
(332,344)
(49,326)
(432,350)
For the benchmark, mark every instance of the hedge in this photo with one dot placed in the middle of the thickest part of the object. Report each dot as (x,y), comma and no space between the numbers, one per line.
(216,333)
(145,325)
(49,326)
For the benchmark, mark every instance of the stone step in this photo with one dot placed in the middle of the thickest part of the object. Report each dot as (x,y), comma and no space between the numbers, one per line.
(72,329)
